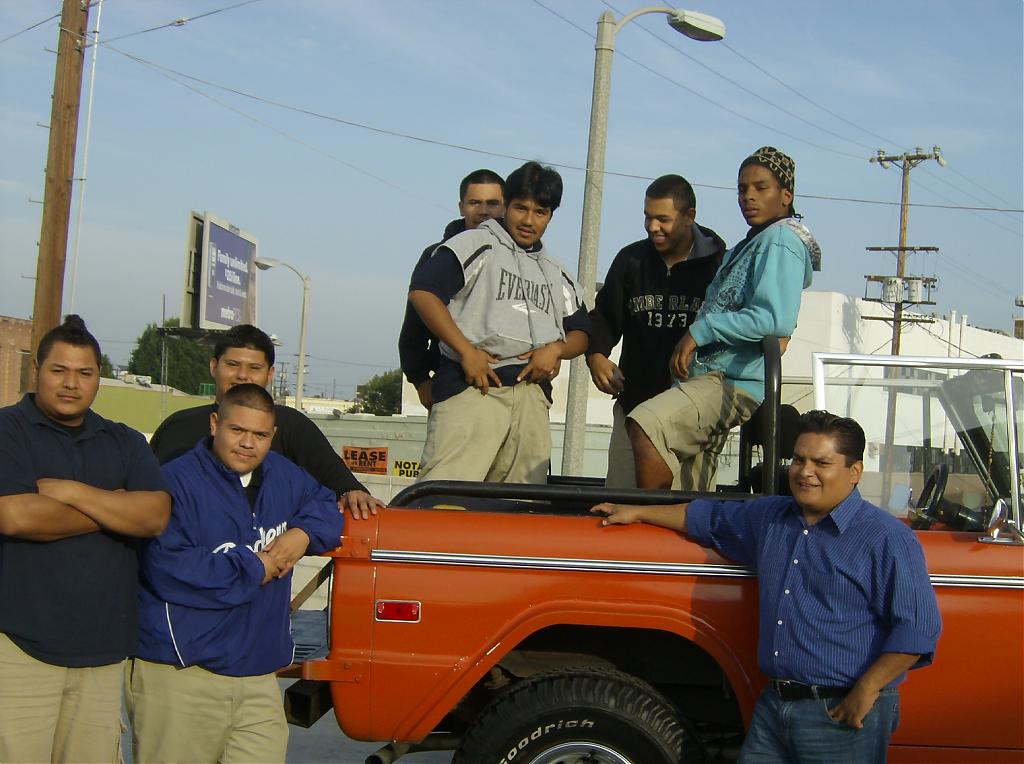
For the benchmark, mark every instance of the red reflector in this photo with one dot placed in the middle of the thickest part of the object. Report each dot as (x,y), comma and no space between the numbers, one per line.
(398,610)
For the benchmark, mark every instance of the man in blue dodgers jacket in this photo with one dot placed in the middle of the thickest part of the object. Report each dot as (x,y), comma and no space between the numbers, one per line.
(214,594)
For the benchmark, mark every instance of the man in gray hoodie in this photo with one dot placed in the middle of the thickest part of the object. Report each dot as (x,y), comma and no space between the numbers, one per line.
(506,315)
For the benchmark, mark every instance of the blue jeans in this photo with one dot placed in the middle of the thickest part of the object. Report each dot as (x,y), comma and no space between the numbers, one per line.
(802,731)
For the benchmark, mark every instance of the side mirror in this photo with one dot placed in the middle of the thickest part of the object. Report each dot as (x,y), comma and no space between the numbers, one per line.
(998,523)
(996,518)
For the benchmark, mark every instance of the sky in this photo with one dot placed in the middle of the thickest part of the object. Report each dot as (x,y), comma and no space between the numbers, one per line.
(360,118)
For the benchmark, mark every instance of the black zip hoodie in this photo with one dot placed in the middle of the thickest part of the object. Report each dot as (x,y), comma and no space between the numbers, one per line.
(650,306)
(418,353)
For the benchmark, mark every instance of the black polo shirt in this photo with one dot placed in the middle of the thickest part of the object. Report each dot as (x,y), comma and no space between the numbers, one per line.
(298,439)
(71,602)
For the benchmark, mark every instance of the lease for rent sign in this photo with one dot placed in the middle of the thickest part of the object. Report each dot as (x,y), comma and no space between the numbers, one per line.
(372,460)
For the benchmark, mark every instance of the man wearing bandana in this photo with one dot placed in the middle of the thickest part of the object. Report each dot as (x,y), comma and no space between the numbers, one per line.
(717,366)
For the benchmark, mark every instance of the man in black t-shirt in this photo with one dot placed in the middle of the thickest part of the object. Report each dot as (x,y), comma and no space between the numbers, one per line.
(76,491)
(651,295)
(246,354)
(481,198)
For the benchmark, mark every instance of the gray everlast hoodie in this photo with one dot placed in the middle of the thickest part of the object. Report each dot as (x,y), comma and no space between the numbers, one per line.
(512,301)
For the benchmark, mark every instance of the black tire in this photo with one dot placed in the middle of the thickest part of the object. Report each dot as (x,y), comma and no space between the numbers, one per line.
(555,718)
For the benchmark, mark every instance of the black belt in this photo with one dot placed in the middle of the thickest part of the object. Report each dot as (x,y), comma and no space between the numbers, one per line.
(789,690)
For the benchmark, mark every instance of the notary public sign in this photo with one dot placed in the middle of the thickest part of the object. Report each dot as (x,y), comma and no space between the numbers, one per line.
(405,468)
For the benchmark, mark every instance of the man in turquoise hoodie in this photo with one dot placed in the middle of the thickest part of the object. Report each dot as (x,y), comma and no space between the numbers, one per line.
(718,365)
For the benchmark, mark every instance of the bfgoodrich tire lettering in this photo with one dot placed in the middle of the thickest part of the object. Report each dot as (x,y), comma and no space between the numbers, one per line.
(553,718)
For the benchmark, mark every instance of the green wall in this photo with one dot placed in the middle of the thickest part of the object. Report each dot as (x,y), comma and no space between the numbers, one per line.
(142,409)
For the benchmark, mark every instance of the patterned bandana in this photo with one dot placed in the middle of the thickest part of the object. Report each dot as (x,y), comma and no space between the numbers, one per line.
(780,165)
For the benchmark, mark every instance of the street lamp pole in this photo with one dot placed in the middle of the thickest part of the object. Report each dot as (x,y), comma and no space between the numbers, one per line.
(300,374)
(697,26)
(264,263)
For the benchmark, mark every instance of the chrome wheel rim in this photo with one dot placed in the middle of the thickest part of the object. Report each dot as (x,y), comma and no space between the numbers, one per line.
(580,752)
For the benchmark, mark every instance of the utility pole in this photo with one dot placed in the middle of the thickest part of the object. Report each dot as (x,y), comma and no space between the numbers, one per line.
(60,168)
(907,161)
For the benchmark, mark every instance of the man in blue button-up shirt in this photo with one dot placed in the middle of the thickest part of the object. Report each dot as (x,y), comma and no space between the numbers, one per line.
(845,600)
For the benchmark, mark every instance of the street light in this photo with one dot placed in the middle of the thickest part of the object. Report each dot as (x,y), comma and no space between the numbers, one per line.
(265,263)
(696,26)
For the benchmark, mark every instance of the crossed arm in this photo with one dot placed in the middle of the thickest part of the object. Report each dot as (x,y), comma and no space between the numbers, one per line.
(66,508)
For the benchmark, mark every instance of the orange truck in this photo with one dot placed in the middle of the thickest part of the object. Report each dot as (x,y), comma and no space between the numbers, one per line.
(505,623)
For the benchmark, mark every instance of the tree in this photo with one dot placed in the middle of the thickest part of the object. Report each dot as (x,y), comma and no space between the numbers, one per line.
(188,362)
(106,367)
(381,395)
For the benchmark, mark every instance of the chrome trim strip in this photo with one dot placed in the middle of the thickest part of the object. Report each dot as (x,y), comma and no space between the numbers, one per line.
(635,566)
(978,582)
(560,563)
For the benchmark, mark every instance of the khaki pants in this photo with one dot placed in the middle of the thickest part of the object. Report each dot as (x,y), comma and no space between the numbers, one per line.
(621,467)
(688,425)
(55,714)
(501,437)
(193,716)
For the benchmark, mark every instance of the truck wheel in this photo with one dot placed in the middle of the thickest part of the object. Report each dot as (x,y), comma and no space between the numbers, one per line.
(579,716)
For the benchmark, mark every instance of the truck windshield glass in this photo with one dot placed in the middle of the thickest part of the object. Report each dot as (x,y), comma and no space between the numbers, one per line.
(921,418)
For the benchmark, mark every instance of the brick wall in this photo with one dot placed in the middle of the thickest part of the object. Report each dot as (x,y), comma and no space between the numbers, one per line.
(15,341)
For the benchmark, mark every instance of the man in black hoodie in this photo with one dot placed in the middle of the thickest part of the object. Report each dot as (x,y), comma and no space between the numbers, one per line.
(481,197)
(651,295)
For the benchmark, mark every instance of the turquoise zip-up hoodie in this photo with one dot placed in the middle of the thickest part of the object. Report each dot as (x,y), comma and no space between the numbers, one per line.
(755,294)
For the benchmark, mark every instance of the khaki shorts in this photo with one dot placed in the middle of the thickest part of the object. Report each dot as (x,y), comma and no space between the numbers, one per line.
(501,437)
(190,714)
(688,425)
(55,714)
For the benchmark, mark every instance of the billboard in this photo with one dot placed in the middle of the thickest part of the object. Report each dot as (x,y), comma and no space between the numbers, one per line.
(220,274)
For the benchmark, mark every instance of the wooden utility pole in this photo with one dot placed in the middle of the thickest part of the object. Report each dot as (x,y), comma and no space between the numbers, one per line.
(907,162)
(60,168)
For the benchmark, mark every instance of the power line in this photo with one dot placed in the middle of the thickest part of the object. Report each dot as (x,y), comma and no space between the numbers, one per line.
(354,363)
(805,98)
(741,86)
(703,97)
(949,341)
(268,126)
(938,177)
(864,129)
(485,152)
(978,185)
(814,103)
(29,29)
(993,288)
(180,22)
(974,210)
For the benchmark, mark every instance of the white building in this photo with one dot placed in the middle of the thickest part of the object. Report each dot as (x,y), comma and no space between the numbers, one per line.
(829,322)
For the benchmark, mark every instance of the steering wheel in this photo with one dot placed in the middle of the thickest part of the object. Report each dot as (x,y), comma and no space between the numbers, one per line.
(927,510)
